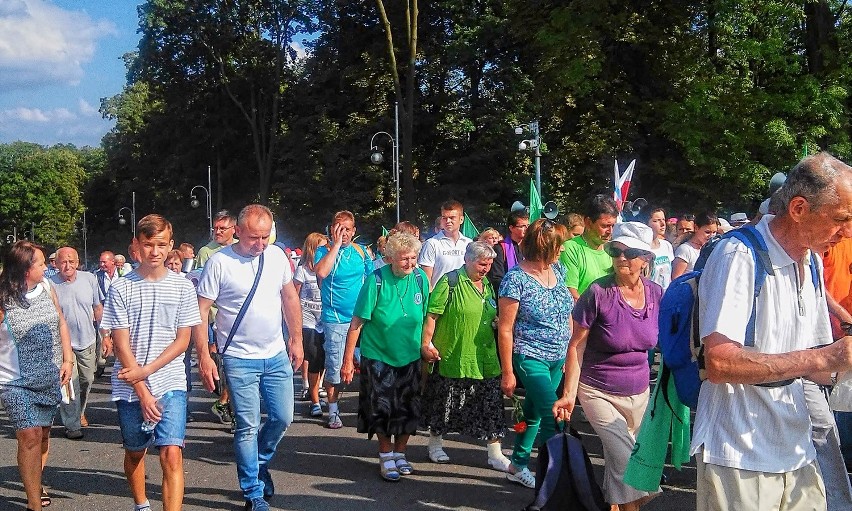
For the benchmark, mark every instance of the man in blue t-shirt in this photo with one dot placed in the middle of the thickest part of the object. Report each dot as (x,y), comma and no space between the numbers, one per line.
(341,268)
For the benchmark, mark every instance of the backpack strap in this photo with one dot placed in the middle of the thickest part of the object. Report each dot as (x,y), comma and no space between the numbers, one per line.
(452,281)
(752,239)
(581,479)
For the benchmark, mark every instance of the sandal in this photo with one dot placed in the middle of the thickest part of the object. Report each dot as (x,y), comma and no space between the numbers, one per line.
(437,455)
(388,469)
(402,465)
(522,476)
(45,498)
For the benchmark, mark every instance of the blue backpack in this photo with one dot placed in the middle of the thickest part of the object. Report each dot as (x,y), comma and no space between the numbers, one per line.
(679,337)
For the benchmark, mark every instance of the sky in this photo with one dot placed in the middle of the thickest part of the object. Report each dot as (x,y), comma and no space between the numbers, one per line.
(58,58)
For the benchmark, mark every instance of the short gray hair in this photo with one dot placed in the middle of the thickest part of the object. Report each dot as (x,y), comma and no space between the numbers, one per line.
(401,242)
(253,210)
(479,250)
(815,179)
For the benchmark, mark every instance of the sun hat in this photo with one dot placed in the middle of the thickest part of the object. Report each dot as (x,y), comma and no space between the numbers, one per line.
(633,235)
(725,225)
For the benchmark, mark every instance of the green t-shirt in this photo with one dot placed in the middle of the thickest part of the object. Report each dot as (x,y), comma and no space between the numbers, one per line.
(393,323)
(584,264)
(463,333)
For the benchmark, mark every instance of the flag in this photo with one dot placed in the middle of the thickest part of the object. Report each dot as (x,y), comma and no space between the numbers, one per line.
(384,231)
(621,184)
(804,150)
(535,203)
(468,229)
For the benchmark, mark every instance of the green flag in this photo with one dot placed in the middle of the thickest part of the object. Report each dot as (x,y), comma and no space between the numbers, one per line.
(468,229)
(804,150)
(535,203)
(384,231)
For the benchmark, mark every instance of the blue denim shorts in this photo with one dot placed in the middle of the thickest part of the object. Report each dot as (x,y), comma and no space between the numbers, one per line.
(335,342)
(171,430)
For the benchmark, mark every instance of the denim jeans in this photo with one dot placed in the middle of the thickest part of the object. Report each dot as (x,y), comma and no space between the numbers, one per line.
(254,446)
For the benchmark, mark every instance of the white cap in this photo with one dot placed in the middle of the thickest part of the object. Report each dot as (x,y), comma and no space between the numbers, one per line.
(633,235)
(739,218)
(725,225)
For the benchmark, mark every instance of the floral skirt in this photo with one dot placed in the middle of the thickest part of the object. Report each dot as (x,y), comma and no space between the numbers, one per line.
(389,402)
(464,405)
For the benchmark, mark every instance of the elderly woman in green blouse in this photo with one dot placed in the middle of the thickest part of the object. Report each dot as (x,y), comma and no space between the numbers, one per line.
(388,319)
(463,392)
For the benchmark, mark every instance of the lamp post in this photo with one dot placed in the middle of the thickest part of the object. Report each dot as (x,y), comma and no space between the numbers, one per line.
(30,235)
(376,156)
(195,203)
(533,143)
(12,238)
(122,220)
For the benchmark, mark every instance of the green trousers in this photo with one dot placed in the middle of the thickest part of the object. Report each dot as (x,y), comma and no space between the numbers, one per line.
(540,379)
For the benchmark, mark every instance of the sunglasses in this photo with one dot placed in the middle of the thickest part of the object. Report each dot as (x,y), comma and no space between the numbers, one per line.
(629,253)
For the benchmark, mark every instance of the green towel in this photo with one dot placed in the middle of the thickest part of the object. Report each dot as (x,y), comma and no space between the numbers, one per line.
(659,426)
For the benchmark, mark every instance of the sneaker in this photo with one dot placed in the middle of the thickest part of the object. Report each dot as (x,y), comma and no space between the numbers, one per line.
(323,393)
(305,395)
(316,410)
(233,428)
(257,504)
(334,421)
(523,476)
(74,435)
(223,412)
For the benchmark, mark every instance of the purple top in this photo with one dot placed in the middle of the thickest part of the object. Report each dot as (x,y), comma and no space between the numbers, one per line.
(616,357)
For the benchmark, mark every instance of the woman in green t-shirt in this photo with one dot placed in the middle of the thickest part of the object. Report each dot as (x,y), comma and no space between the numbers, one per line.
(463,392)
(388,319)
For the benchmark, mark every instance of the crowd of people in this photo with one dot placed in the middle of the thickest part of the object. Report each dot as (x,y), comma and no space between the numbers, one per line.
(441,331)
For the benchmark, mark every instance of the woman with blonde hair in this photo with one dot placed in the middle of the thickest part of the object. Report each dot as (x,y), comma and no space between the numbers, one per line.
(490,236)
(388,320)
(533,331)
(305,280)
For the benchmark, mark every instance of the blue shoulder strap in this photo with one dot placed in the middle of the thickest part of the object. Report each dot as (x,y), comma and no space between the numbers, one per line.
(753,240)
(244,307)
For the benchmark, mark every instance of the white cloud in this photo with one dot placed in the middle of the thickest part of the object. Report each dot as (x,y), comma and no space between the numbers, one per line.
(42,44)
(301,51)
(86,109)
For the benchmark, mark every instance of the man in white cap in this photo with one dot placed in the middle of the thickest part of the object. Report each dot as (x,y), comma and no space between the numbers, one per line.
(739,219)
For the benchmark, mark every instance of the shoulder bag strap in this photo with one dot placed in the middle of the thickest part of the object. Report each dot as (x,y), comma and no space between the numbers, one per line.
(244,308)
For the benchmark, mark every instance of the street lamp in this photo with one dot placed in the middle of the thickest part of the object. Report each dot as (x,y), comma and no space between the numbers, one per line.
(531,144)
(12,238)
(377,158)
(123,221)
(195,203)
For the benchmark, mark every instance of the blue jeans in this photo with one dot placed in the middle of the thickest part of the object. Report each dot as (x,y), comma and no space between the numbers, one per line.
(248,380)
(335,342)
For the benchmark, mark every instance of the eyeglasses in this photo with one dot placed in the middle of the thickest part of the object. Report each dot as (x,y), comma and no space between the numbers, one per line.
(217,229)
(629,253)
(523,226)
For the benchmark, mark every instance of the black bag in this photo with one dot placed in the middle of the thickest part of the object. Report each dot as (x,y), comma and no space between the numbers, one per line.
(565,480)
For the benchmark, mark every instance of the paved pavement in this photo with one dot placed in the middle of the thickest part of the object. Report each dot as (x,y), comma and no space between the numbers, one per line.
(315,469)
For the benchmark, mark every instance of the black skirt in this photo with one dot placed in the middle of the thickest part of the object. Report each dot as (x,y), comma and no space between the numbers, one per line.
(389,402)
(464,405)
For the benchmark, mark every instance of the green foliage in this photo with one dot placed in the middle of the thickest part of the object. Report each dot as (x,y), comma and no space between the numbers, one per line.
(41,190)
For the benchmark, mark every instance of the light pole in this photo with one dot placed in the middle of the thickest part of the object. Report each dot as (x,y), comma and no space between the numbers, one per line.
(195,203)
(122,220)
(12,238)
(376,156)
(85,241)
(533,143)
(30,235)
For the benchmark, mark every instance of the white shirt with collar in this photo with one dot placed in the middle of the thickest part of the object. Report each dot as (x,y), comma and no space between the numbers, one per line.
(443,255)
(746,426)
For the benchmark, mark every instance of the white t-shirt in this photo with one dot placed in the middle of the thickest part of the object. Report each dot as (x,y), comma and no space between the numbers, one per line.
(227,279)
(309,297)
(442,255)
(746,426)
(688,253)
(663,257)
(152,311)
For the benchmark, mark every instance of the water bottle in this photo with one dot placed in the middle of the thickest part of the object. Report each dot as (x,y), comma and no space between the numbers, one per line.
(149,425)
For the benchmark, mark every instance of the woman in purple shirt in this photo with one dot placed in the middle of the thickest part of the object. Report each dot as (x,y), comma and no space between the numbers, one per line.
(606,368)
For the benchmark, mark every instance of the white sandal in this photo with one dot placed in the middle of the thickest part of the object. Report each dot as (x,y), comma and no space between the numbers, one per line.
(523,476)
(437,455)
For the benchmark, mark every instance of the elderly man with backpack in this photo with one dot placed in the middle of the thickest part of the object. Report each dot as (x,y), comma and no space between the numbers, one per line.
(752,436)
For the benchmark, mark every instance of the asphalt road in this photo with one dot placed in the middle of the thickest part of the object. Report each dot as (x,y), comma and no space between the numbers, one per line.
(315,469)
